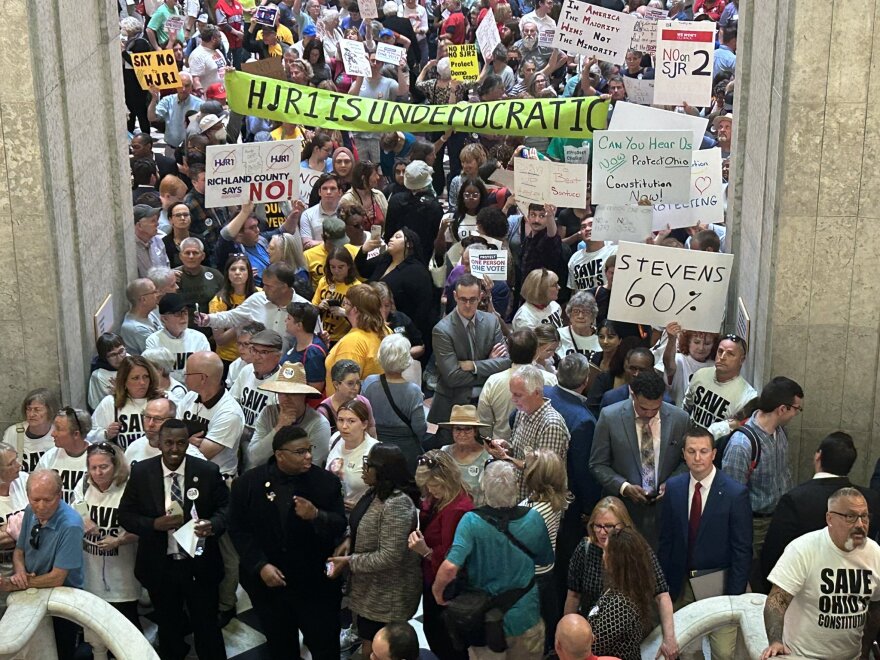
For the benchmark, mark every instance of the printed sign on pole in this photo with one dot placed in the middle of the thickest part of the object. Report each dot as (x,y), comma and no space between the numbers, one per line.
(655,285)
(489,262)
(586,29)
(256,171)
(463,62)
(631,165)
(639,90)
(544,182)
(685,57)
(389,53)
(487,36)
(621,223)
(633,117)
(157,68)
(354,58)
(266,15)
(707,193)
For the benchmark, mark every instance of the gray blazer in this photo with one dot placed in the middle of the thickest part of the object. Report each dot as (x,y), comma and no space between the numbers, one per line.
(450,341)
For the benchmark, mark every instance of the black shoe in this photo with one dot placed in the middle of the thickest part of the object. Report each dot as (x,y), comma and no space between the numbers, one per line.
(224,617)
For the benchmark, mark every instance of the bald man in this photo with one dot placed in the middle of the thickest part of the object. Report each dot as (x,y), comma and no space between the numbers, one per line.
(574,639)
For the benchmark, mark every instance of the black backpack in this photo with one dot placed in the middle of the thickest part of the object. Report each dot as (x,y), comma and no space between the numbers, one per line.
(754,440)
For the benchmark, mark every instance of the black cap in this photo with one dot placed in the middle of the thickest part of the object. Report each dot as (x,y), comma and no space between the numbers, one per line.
(172,303)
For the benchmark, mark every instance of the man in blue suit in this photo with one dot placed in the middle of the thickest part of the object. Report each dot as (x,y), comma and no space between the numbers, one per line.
(705,526)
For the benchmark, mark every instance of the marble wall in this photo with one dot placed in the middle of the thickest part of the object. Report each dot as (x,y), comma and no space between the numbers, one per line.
(806,207)
(65,230)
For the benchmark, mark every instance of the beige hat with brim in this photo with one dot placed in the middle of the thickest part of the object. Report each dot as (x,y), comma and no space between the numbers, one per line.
(463,416)
(289,379)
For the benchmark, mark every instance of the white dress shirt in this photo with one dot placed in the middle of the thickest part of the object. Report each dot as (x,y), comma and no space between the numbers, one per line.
(705,487)
(173,548)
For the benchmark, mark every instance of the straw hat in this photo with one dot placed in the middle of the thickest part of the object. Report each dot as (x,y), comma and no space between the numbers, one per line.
(463,416)
(289,379)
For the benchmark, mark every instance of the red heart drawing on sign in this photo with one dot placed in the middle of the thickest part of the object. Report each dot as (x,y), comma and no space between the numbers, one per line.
(702,183)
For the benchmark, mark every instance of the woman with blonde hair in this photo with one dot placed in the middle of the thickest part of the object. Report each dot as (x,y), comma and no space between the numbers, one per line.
(540,290)
(548,344)
(289,249)
(121,415)
(444,503)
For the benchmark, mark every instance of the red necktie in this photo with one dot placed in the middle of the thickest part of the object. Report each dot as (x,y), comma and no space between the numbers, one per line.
(694,520)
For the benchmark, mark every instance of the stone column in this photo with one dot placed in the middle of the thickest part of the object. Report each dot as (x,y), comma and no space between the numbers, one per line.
(805,205)
(66,230)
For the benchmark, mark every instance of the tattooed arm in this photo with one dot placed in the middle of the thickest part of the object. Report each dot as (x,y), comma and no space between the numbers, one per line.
(774,617)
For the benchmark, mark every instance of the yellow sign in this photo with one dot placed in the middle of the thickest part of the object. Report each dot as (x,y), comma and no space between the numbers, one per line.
(157,68)
(463,62)
(295,104)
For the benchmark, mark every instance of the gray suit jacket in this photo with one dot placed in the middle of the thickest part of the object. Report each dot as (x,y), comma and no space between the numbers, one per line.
(450,341)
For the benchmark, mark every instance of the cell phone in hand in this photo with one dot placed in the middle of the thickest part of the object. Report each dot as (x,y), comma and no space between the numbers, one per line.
(376,232)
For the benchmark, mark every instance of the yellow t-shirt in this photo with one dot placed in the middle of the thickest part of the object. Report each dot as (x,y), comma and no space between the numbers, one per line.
(335,325)
(316,257)
(283,32)
(279,134)
(360,346)
(228,352)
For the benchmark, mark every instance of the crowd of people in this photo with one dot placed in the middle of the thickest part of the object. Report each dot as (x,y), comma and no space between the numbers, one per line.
(318,401)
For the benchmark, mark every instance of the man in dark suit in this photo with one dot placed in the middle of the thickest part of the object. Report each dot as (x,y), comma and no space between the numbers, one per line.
(636,448)
(705,525)
(286,517)
(803,508)
(161,494)
(468,348)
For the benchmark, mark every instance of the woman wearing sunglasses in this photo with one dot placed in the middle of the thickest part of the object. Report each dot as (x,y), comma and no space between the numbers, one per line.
(587,577)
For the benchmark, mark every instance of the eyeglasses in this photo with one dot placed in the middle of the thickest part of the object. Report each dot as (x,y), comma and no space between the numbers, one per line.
(608,529)
(70,413)
(180,215)
(120,352)
(105,447)
(300,452)
(153,418)
(578,312)
(800,409)
(462,429)
(852,518)
(243,344)
(471,195)
(35,536)
(468,301)
(428,461)
(265,351)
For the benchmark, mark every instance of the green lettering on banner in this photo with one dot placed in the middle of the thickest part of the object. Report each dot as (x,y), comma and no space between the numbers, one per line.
(565,118)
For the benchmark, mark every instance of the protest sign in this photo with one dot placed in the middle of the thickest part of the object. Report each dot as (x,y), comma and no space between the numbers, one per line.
(622,223)
(463,62)
(354,58)
(255,171)
(577,155)
(629,116)
(157,68)
(639,90)
(295,104)
(369,9)
(645,34)
(266,15)
(544,182)
(706,204)
(655,285)
(503,178)
(173,25)
(585,29)
(389,53)
(546,37)
(271,67)
(631,165)
(487,36)
(685,59)
(307,180)
(489,262)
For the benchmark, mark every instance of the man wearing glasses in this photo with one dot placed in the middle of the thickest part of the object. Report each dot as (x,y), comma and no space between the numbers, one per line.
(265,351)
(156,413)
(49,549)
(285,518)
(142,319)
(825,600)
(68,456)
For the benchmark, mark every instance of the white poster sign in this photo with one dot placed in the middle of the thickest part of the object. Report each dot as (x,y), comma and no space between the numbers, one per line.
(632,117)
(489,262)
(631,165)
(655,285)
(577,155)
(369,9)
(685,57)
(544,182)
(354,58)
(307,180)
(622,223)
(488,38)
(585,29)
(645,34)
(389,53)
(706,204)
(546,37)
(257,172)
(639,90)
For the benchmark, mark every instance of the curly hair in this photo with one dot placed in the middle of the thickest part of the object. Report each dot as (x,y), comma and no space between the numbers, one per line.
(684,341)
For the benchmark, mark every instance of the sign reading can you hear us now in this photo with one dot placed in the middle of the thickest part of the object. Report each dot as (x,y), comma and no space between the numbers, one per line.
(257,172)
(655,285)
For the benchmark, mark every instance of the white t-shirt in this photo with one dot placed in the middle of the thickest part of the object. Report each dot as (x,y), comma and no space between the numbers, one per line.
(32,448)
(252,400)
(11,504)
(571,342)
(130,418)
(191,341)
(832,590)
(71,468)
(685,368)
(529,316)
(208,65)
(222,424)
(176,391)
(100,385)
(348,465)
(109,574)
(234,370)
(587,269)
(140,450)
(467,225)
(710,402)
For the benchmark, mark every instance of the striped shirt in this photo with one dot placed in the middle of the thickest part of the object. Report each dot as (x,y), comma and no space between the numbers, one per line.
(551,522)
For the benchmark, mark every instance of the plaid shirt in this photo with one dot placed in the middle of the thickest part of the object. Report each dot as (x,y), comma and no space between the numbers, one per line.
(771,479)
(543,429)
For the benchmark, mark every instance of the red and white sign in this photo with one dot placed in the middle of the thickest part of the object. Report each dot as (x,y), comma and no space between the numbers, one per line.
(257,172)
(685,58)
